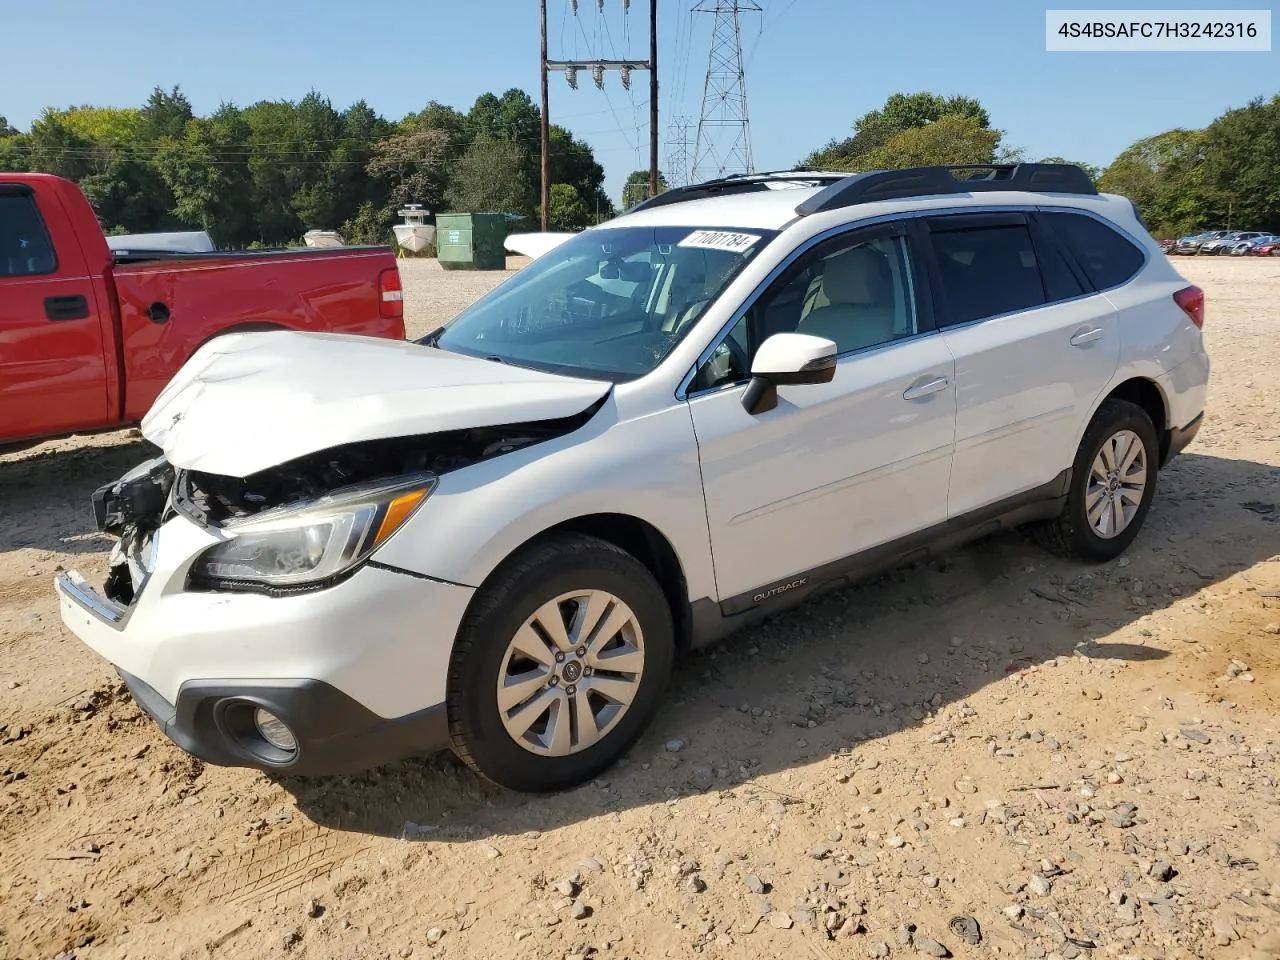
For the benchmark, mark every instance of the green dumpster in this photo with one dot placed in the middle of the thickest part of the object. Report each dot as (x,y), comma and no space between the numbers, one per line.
(471,241)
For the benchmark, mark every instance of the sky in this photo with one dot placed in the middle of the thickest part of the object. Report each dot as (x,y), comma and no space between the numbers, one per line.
(812,66)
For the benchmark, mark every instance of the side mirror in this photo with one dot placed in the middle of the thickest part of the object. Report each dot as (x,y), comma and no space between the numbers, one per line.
(787,358)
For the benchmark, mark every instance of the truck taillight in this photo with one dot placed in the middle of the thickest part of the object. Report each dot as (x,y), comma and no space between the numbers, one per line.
(1191,300)
(391,295)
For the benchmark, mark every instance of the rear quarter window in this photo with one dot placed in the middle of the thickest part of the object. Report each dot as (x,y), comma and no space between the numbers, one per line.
(1107,257)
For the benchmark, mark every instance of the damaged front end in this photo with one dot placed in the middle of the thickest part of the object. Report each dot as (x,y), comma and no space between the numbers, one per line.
(132,509)
(303,524)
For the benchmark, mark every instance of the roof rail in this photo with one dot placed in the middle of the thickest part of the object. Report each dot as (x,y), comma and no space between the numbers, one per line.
(739,183)
(962,178)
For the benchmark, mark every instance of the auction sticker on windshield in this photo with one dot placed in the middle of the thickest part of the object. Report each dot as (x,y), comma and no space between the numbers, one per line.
(720,240)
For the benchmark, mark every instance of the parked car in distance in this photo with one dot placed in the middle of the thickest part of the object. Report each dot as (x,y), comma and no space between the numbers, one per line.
(1245,244)
(1222,245)
(1269,248)
(1168,244)
(89,337)
(1191,245)
(498,538)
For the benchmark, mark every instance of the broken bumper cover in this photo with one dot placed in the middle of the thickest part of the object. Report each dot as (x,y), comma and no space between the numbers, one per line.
(356,671)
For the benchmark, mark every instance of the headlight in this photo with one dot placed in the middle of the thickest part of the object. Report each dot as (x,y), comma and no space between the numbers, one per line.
(307,545)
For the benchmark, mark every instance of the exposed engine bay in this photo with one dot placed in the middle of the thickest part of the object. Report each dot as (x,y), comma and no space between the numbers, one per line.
(133,507)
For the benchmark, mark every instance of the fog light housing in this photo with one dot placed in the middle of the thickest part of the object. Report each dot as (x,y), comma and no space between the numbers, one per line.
(274,730)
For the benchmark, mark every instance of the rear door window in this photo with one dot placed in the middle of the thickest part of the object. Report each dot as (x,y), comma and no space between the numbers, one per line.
(986,270)
(25,249)
(1107,257)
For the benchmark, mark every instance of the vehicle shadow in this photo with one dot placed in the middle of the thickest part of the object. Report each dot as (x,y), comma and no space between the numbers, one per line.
(44,496)
(859,664)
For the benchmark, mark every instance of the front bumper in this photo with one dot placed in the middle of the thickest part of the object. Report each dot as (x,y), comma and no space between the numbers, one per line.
(357,670)
(335,734)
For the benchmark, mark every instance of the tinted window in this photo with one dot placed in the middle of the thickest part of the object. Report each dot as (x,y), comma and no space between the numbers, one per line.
(25,249)
(1108,259)
(987,271)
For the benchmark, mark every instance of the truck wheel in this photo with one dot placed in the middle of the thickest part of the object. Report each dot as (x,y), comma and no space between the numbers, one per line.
(559,665)
(1113,481)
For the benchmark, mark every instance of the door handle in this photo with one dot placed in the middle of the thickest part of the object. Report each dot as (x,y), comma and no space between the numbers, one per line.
(66,308)
(1087,336)
(918,390)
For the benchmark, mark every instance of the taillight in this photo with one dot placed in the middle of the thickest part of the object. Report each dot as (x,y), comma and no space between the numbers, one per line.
(1191,300)
(391,294)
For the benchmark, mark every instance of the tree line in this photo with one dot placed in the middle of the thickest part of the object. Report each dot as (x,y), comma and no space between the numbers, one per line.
(263,175)
(1227,174)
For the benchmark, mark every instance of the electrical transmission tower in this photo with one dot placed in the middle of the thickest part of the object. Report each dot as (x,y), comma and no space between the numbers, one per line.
(724,130)
(678,152)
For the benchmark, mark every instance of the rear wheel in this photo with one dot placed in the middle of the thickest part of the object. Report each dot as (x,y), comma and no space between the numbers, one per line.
(1113,481)
(559,665)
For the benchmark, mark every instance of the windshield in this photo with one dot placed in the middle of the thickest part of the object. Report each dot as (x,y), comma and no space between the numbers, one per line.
(607,304)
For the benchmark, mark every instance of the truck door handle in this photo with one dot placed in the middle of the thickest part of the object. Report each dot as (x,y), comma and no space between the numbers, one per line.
(66,308)
(918,389)
(1086,337)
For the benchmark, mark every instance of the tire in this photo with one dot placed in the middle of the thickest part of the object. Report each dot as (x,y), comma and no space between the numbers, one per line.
(1073,534)
(521,591)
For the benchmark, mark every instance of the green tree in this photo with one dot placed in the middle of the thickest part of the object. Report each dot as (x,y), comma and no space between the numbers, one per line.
(901,112)
(208,175)
(636,187)
(566,210)
(489,177)
(107,126)
(15,152)
(1164,177)
(952,139)
(443,119)
(511,116)
(413,167)
(5,129)
(571,162)
(1242,166)
(371,224)
(165,115)
(55,148)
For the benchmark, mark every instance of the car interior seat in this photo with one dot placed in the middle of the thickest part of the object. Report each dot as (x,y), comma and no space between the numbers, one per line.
(858,286)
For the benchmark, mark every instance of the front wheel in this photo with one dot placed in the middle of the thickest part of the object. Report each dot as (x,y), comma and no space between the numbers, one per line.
(1113,481)
(559,665)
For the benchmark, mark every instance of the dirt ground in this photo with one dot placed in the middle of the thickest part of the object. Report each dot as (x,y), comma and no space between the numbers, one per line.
(1080,760)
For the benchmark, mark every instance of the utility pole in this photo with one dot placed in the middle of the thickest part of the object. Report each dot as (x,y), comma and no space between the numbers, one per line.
(545,133)
(653,98)
(724,128)
(598,68)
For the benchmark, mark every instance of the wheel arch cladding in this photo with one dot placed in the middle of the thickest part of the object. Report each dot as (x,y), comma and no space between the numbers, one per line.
(641,540)
(1146,394)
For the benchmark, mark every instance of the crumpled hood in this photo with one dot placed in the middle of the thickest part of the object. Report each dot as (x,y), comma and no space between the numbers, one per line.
(245,402)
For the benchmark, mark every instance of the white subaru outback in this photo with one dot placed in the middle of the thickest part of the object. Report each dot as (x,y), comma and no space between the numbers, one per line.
(499,537)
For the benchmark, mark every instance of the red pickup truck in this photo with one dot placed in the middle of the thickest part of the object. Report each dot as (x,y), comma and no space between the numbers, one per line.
(89,338)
